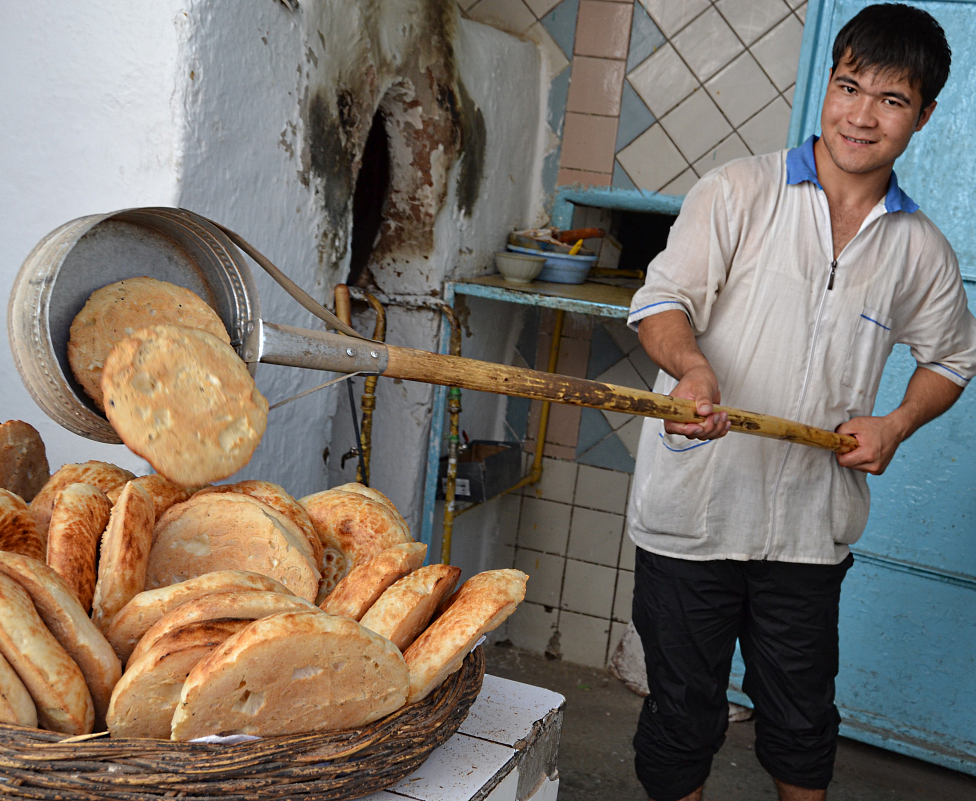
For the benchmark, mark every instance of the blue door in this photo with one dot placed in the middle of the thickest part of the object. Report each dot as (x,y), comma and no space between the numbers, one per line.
(908,613)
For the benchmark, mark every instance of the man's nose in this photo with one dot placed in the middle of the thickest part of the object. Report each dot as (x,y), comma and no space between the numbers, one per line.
(861,113)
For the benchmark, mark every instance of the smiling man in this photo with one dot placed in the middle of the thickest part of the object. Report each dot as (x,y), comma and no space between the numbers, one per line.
(786,281)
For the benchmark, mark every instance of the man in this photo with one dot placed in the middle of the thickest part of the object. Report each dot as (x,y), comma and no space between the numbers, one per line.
(786,280)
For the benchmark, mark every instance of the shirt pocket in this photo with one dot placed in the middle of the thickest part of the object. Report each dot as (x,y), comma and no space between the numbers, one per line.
(675,499)
(866,357)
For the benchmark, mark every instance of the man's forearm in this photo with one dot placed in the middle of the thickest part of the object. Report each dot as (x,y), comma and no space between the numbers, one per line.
(928,395)
(670,342)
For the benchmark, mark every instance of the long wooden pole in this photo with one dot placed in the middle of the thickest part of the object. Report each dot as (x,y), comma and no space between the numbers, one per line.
(452,371)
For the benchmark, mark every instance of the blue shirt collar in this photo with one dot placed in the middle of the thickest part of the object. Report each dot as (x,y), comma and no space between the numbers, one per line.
(801,166)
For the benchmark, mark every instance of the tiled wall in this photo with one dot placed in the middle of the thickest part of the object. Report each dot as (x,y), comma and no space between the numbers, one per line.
(651,94)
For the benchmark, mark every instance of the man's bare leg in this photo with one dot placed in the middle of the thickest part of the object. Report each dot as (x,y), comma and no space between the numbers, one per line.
(788,792)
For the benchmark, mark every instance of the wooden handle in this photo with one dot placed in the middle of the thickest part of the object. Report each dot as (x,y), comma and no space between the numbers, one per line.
(453,371)
(343,304)
(580,233)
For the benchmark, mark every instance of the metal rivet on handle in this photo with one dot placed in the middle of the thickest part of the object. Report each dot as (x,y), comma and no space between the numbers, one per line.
(375,354)
(350,352)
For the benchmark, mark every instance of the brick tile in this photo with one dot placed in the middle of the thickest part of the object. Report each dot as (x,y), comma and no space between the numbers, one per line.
(588,143)
(570,177)
(603,29)
(596,86)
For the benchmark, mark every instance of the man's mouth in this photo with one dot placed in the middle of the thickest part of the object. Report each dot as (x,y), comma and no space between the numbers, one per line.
(858,141)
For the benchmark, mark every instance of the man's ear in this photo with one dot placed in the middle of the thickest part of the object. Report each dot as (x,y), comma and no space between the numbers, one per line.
(925,115)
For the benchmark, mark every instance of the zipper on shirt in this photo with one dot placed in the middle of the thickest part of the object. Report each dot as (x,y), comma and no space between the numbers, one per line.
(833,272)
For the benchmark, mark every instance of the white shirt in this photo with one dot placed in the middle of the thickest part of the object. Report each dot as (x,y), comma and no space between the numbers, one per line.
(749,260)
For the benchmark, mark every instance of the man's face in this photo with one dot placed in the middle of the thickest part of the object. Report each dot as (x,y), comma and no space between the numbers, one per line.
(868,118)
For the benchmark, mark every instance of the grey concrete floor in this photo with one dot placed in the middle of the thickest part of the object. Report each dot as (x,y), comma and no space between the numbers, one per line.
(596,756)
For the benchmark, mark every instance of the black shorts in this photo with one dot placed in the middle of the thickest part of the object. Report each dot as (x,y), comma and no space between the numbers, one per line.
(688,615)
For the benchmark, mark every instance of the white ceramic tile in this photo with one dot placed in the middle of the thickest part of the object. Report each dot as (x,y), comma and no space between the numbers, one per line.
(652,160)
(778,52)
(696,125)
(588,588)
(628,552)
(552,54)
(545,573)
(617,631)
(682,184)
(795,3)
(557,482)
(624,374)
(750,19)
(505,531)
(615,419)
(543,525)
(801,12)
(741,89)
(458,769)
(766,132)
(513,16)
(630,434)
(663,80)
(547,791)
(601,489)
(672,15)
(594,536)
(531,626)
(583,640)
(505,711)
(707,44)
(725,151)
(507,788)
(624,596)
(623,335)
(541,7)
(645,368)
(788,94)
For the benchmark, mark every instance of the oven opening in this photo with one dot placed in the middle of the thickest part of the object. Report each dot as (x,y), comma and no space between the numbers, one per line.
(369,199)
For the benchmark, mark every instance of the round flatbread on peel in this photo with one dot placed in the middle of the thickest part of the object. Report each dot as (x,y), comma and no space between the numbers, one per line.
(103,475)
(81,513)
(118,310)
(358,591)
(145,609)
(184,400)
(23,459)
(54,681)
(259,681)
(18,529)
(70,625)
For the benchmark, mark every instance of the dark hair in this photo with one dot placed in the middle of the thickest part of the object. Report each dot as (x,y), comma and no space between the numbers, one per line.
(895,38)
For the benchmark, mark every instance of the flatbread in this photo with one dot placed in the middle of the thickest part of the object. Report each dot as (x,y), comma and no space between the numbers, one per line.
(242,605)
(142,612)
(103,475)
(358,591)
(230,531)
(145,699)
(116,311)
(16,705)
(275,496)
(18,531)
(70,625)
(51,677)
(80,515)
(164,493)
(124,554)
(184,400)
(23,459)
(357,526)
(403,611)
(371,493)
(261,679)
(481,605)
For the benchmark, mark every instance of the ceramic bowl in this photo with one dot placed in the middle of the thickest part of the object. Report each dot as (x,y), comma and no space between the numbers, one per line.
(519,268)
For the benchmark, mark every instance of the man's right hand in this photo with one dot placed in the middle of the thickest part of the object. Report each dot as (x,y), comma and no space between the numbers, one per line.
(700,385)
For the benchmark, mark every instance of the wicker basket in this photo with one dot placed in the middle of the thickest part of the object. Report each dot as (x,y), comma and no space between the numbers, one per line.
(335,765)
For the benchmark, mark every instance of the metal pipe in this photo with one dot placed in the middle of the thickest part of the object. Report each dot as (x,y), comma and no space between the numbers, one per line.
(369,394)
(453,441)
(343,307)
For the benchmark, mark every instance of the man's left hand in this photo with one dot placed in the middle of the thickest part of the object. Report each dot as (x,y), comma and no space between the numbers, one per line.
(878,438)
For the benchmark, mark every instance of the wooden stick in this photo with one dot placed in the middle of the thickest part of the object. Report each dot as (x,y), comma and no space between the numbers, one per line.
(452,371)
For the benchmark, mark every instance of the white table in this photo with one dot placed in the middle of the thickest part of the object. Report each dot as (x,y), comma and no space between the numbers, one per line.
(504,751)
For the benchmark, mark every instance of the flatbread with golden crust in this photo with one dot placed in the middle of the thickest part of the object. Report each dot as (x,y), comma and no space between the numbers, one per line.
(80,515)
(124,554)
(142,612)
(275,496)
(358,591)
(23,459)
(403,611)
(481,605)
(54,681)
(116,311)
(16,706)
(164,493)
(184,400)
(241,604)
(259,681)
(230,531)
(70,625)
(103,475)
(145,699)
(18,531)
